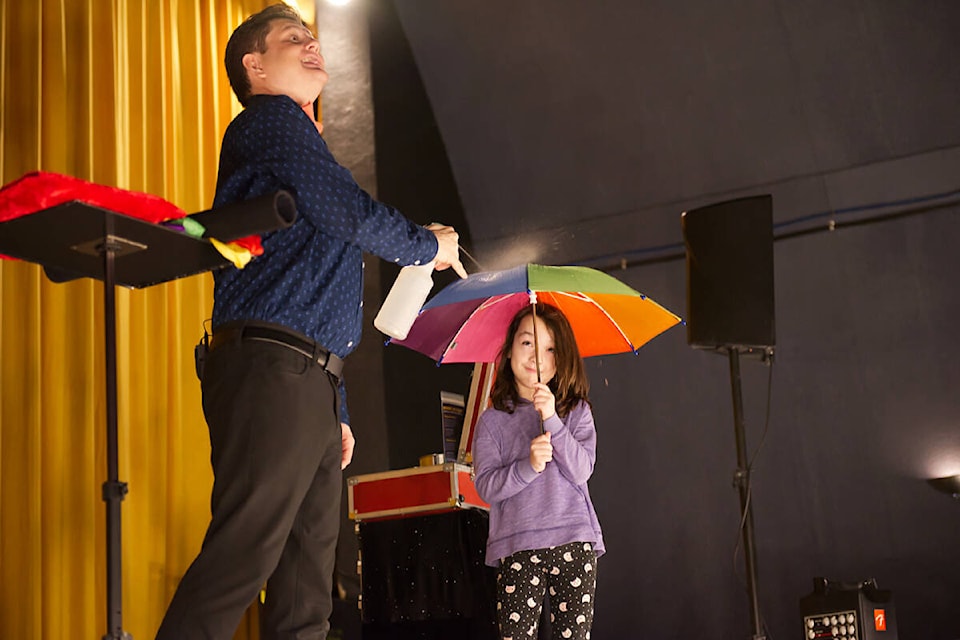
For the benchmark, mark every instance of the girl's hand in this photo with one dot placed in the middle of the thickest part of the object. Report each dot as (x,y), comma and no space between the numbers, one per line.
(544,401)
(541,452)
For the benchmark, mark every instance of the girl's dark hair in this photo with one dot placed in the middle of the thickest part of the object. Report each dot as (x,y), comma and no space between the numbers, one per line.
(569,385)
(251,36)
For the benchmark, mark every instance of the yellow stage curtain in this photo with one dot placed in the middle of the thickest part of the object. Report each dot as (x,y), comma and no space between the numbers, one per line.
(128,93)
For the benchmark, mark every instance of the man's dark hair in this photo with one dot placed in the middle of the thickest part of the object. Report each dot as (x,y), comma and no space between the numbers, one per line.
(251,36)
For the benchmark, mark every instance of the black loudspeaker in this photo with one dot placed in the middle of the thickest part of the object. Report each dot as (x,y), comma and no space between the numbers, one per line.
(730,274)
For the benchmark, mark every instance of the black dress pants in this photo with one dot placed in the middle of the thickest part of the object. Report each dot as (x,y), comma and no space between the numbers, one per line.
(275,450)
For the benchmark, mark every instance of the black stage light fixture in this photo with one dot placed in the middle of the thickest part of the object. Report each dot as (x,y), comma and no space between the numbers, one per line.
(948,484)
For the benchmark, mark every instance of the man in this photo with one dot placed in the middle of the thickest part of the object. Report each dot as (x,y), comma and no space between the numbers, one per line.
(272,393)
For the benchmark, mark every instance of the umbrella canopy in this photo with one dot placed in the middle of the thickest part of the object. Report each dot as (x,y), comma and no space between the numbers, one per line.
(467,320)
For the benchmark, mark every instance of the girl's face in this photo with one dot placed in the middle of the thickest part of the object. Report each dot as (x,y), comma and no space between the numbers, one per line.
(523,359)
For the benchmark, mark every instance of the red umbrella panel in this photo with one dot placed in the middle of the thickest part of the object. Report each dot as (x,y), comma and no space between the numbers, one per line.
(467,321)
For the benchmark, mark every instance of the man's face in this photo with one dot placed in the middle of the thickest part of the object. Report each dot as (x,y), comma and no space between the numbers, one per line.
(291,65)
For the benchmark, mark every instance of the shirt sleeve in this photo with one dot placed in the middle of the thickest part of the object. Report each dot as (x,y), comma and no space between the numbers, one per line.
(344,414)
(326,193)
(574,443)
(497,476)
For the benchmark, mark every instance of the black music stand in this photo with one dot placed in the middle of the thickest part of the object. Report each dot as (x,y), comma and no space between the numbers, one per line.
(75,240)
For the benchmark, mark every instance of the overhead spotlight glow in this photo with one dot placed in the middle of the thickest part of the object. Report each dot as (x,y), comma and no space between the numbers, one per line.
(307,10)
(943,461)
(338,3)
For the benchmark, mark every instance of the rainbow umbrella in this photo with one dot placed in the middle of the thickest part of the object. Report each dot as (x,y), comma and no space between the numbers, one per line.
(467,320)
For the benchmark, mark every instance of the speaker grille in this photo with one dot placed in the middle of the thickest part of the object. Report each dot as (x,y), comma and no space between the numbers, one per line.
(730,295)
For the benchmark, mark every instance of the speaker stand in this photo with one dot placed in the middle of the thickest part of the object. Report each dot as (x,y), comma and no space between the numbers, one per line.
(741,478)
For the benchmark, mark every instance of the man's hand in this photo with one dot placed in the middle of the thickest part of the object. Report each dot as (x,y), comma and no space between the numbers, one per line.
(347,442)
(541,452)
(448,249)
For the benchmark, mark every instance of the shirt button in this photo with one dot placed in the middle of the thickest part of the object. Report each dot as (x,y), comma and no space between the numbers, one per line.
(350,344)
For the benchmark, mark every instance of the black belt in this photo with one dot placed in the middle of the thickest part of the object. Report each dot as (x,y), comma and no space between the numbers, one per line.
(230,332)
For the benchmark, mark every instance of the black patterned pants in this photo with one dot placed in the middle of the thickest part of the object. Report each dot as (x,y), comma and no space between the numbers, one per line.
(569,572)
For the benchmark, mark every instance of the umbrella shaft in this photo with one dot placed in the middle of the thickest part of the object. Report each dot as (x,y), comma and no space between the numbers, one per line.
(536,356)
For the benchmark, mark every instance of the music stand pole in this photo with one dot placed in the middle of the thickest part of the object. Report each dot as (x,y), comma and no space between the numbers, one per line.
(741,479)
(113,489)
(77,240)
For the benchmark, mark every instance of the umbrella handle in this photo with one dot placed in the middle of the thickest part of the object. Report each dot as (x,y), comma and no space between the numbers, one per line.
(536,341)
(536,347)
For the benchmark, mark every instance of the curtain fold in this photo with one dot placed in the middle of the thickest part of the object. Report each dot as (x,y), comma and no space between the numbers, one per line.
(127,93)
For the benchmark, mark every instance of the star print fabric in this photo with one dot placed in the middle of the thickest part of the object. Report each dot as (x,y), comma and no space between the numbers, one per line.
(310,276)
(568,571)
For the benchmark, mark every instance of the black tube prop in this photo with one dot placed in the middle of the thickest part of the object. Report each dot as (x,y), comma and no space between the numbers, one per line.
(250,217)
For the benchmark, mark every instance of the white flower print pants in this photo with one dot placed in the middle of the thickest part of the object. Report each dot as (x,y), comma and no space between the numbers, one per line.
(569,572)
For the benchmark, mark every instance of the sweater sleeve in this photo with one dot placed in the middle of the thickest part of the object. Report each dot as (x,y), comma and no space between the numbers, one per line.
(574,443)
(498,475)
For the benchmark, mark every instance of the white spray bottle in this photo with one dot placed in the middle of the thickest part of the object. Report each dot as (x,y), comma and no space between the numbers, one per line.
(407,295)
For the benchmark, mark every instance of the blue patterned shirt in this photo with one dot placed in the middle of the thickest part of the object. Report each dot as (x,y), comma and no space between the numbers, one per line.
(310,276)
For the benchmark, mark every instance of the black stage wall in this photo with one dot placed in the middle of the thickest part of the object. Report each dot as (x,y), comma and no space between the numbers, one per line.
(863,404)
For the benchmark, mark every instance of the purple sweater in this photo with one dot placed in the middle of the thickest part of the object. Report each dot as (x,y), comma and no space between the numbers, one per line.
(530,510)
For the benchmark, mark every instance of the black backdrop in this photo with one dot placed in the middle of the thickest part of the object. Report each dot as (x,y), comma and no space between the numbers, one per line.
(863,401)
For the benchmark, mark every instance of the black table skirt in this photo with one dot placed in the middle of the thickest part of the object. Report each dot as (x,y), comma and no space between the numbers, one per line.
(425,574)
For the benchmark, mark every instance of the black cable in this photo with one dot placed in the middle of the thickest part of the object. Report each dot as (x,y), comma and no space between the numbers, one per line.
(871,207)
(768,358)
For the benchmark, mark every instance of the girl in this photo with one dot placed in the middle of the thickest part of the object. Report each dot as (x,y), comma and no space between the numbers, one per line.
(534,451)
